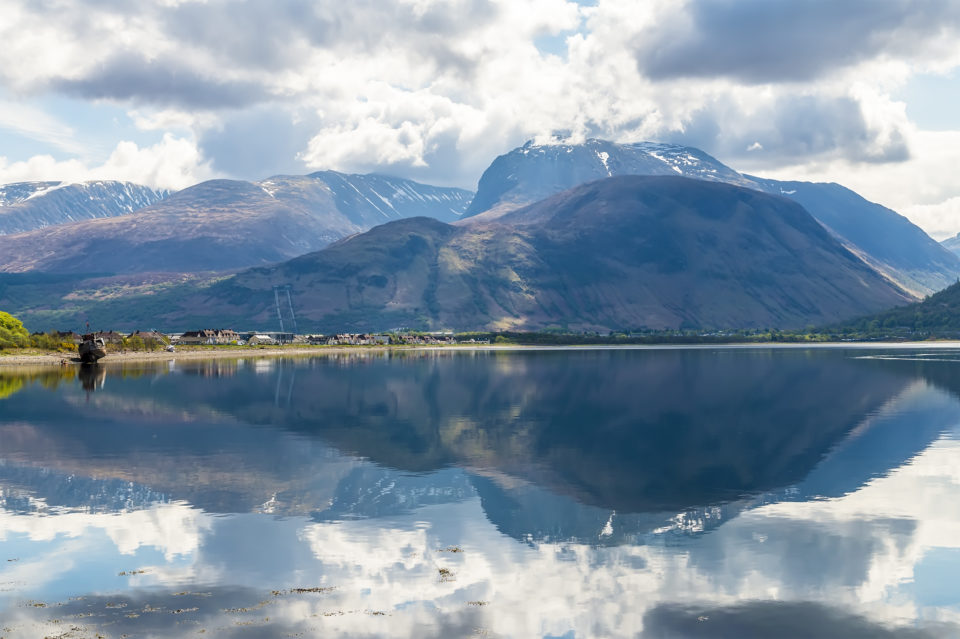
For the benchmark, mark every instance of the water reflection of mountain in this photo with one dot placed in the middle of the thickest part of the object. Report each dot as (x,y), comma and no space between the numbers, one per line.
(130,442)
(884,441)
(634,432)
(370,491)
(589,445)
(20,485)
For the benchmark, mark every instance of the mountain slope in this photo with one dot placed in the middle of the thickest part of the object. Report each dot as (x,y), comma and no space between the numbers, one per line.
(215,225)
(17,192)
(884,239)
(373,199)
(952,244)
(25,206)
(228,224)
(627,252)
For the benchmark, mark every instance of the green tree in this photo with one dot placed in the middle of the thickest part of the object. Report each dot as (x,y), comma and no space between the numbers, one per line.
(12,332)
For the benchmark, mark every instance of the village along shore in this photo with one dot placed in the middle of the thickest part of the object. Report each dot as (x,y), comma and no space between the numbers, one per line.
(59,348)
(12,358)
(182,353)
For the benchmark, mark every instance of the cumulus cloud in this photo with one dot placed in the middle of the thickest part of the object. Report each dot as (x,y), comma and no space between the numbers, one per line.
(173,163)
(435,89)
(418,134)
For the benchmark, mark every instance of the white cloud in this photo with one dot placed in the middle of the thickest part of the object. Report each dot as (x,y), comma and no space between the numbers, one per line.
(172,163)
(435,89)
(173,529)
(939,220)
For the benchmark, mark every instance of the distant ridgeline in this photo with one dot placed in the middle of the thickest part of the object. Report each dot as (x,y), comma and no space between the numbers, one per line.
(25,206)
(224,225)
(594,237)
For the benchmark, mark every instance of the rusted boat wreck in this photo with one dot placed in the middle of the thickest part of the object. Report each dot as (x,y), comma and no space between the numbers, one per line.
(92,348)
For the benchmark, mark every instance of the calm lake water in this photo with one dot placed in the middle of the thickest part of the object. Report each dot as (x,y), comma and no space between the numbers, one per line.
(536,493)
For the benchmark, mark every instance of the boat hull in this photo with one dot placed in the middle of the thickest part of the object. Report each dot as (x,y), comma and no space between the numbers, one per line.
(91,350)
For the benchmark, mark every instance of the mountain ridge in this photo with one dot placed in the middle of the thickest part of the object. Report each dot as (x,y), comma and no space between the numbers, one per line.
(228,224)
(626,252)
(26,206)
(952,243)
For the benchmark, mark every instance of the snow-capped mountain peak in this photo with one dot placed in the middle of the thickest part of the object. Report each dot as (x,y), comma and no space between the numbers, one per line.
(25,206)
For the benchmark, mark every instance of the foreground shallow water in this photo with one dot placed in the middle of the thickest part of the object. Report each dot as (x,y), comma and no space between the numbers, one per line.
(533,493)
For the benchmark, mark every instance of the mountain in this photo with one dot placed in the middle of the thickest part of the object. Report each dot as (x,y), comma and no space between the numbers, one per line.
(622,253)
(25,206)
(229,224)
(885,240)
(952,244)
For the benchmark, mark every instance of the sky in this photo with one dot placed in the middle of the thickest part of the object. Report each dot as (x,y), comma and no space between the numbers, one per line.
(168,93)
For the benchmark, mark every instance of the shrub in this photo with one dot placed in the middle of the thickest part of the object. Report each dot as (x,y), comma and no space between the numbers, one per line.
(12,332)
(52,341)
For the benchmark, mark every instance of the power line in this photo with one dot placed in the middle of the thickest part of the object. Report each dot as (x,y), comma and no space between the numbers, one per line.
(293,317)
(276,298)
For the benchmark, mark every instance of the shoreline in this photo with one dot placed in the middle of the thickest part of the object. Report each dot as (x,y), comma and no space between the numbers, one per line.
(70,359)
(56,359)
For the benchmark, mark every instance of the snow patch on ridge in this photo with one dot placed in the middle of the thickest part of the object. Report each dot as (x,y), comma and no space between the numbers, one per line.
(605,157)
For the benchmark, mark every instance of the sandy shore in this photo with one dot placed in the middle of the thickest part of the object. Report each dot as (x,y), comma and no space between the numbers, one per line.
(195,353)
(186,354)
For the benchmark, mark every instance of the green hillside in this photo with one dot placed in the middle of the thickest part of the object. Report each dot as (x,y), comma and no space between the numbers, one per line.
(938,316)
